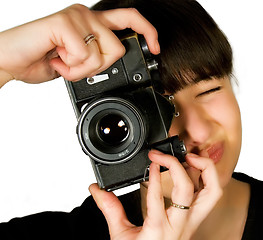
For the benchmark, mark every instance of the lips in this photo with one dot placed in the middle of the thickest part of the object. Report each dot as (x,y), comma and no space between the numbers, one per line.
(216,152)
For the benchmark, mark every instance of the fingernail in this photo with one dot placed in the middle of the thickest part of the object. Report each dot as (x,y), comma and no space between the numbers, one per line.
(157,47)
(192,155)
(90,188)
(156,152)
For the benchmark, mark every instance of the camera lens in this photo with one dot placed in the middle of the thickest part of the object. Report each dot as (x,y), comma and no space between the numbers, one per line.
(113,129)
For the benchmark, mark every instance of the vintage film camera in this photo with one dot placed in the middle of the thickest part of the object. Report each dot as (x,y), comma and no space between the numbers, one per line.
(122,115)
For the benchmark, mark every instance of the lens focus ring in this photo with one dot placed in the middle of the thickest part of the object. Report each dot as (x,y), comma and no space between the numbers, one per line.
(111,130)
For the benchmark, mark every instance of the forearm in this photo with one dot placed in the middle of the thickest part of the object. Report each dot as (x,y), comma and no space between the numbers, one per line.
(4,75)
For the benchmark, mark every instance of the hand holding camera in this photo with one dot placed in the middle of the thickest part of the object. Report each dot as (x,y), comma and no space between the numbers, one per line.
(52,46)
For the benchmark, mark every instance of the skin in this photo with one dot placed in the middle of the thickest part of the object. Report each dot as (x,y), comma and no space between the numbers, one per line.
(209,114)
(209,117)
(54,46)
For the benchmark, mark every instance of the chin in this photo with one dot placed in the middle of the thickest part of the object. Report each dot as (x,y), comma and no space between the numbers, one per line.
(225,171)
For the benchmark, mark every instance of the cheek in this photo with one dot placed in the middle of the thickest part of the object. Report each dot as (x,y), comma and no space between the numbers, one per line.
(173,129)
(228,118)
(227,115)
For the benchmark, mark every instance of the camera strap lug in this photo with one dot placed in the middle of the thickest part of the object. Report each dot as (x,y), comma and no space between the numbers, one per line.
(146,173)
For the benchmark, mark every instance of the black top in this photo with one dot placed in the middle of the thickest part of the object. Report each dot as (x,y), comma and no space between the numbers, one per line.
(254,224)
(87,220)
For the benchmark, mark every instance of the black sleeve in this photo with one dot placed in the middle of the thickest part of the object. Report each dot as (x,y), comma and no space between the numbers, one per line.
(82,223)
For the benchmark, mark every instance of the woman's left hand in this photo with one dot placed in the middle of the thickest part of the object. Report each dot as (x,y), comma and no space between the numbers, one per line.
(160,223)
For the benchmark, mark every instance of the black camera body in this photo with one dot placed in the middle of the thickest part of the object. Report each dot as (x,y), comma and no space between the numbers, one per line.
(122,115)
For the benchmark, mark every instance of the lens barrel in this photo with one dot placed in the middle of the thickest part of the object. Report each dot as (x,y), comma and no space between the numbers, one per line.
(111,130)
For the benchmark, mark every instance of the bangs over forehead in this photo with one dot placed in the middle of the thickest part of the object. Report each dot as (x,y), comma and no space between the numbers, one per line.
(193,48)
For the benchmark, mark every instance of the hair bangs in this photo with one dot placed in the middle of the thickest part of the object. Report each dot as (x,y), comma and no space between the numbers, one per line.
(193,48)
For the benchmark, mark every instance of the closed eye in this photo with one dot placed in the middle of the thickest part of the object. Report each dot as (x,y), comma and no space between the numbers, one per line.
(209,91)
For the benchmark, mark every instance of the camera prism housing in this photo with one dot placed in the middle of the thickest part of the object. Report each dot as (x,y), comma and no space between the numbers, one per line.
(122,115)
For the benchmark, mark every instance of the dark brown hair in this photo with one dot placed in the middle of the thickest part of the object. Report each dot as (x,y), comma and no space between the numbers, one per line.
(193,48)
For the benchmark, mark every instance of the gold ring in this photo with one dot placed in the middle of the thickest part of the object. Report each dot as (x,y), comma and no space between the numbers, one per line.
(180,206)
(89,38)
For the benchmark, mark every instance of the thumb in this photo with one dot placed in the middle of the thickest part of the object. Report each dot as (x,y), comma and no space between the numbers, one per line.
(112,210)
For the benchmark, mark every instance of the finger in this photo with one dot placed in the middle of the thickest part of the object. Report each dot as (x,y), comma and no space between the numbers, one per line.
(86,68)
(155,201)
(194,174)
(207,198)
(208,171)
(212,190)
(112,209)
(69,41)
(183,190)
(119,19)
(183,186)
(78,60)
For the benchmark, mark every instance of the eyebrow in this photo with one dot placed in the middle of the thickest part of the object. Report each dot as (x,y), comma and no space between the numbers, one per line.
(195,81)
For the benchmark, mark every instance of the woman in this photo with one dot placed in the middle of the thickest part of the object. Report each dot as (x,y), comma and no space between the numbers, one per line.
(202,200)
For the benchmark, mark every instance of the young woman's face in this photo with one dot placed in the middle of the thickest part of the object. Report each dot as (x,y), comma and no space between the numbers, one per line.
(209,121)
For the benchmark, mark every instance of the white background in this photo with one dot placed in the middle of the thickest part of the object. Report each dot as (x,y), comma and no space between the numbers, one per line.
(42,166)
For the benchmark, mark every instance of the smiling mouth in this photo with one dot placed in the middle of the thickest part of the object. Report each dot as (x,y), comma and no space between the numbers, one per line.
(216,152)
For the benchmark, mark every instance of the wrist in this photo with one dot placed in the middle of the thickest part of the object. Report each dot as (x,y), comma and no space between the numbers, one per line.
(4,77)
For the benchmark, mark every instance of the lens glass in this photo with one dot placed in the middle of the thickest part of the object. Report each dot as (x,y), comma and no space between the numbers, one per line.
(113,129)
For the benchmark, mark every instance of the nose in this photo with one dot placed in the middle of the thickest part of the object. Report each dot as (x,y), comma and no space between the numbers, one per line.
(193,126)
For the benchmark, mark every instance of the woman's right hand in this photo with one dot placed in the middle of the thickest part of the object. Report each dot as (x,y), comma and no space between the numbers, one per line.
(160,223)
(54,46)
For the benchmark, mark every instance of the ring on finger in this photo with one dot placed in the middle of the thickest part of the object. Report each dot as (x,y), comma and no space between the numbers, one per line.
(89,38)
(180,206)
